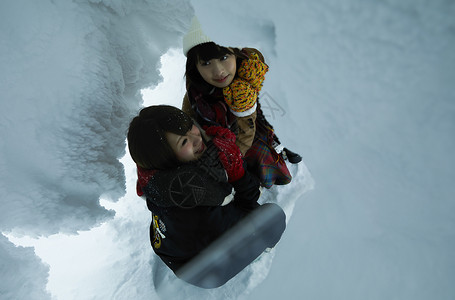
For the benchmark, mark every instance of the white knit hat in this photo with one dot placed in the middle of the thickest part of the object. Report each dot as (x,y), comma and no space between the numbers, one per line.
(195,36)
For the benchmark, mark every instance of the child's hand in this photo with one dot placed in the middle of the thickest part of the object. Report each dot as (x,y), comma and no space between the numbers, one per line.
(253,70)
(240,96)
(229,154)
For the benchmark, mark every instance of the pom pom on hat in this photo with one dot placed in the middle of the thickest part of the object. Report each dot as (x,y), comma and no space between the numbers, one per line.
(195,36)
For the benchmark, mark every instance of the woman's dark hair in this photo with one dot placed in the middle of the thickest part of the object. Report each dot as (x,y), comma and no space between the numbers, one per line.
(205,52)
(147,140)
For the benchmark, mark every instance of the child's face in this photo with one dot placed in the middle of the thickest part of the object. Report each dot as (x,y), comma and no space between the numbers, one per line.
(218,72)
(187,147)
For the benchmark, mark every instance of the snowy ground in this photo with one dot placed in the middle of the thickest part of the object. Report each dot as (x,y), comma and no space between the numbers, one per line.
(362,89)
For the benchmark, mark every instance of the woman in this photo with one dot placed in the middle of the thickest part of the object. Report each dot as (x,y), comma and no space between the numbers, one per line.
(187,177)
(222,89)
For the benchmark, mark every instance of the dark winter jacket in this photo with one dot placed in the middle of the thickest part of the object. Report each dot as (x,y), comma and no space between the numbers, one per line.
(182,236)
(183,233)
(182,229)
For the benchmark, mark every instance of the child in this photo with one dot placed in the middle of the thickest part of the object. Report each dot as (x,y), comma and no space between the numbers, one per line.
(222,89)
(187,181)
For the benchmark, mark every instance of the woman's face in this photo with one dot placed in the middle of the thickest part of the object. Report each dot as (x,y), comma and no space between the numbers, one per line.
(218,72)
(187,147)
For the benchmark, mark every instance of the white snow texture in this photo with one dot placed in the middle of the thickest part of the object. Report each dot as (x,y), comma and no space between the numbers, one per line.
(362,89)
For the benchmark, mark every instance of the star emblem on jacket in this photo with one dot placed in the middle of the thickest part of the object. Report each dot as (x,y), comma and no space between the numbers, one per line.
(187,190)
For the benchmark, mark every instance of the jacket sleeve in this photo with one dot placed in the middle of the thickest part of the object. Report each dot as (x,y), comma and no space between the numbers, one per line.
(247,192)
(188,187)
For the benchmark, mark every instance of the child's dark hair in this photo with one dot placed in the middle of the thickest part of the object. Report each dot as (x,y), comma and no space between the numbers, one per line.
(205,52)
(147,140)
